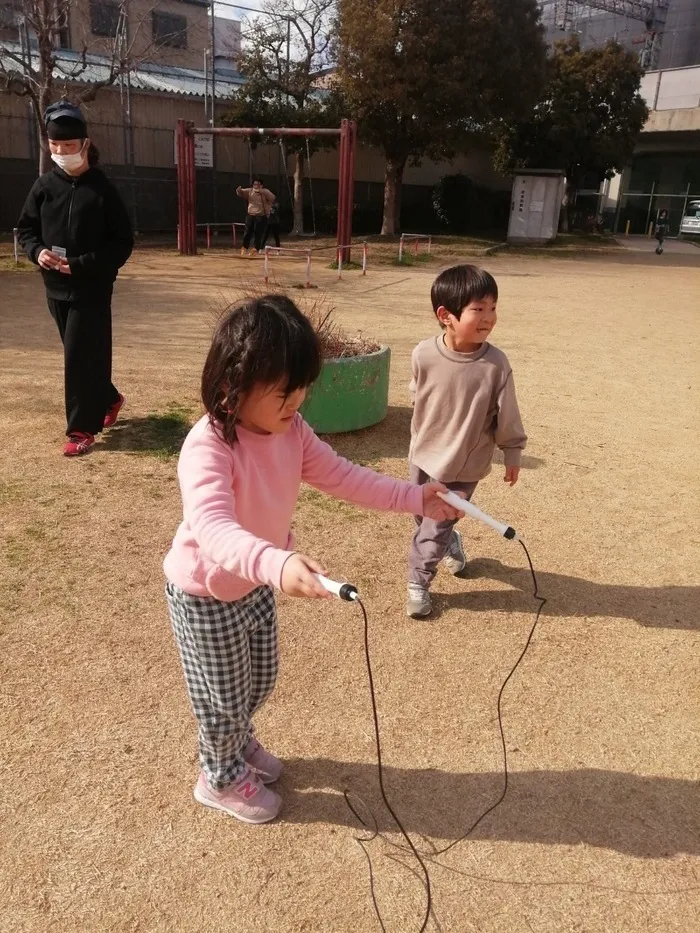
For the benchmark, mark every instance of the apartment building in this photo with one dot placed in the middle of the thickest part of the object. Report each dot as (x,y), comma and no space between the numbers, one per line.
(175,33)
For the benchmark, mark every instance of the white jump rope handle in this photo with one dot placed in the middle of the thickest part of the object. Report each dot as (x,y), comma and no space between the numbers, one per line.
(348,592)
(465,506)
(345,591)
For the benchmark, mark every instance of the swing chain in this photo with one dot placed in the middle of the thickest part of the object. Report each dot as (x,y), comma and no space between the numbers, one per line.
(286,173)
(311,187)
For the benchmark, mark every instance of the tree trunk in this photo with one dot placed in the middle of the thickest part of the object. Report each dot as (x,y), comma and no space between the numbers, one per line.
(398,201)
(44,154)
(298,195)
(393,176)
(42,100)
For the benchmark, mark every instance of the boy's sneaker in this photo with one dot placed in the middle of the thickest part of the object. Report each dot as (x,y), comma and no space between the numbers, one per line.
(418,604)
(244,251)
(267,766)
(78,443)
(455,560)
(247,799)
(254,252)
(113,411)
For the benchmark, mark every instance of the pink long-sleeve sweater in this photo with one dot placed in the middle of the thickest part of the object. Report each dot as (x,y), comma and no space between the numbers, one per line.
(238,503)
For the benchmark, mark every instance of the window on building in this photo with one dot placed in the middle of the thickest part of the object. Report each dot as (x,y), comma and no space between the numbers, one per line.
(169,29)
(104,17)
(62,31)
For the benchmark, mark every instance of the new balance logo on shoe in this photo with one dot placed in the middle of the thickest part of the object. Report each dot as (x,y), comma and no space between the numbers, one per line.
(247,790)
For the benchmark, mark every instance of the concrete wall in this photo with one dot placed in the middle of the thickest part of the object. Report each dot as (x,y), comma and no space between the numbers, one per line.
(672,90)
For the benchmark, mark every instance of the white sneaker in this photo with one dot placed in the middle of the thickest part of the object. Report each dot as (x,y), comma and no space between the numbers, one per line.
(455,560)
(418,605)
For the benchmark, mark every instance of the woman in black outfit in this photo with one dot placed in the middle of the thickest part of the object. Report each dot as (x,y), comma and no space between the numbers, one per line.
(273,224)
(75,227)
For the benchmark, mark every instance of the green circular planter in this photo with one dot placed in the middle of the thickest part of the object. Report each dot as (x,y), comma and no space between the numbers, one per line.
(351,393)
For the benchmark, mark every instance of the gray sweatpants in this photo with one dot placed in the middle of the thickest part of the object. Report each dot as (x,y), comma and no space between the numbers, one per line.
(431,541)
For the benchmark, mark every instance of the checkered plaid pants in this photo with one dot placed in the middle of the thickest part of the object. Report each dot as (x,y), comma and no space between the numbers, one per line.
(229,656)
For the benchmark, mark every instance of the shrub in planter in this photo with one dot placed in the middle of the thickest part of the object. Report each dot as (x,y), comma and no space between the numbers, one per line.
(352,391)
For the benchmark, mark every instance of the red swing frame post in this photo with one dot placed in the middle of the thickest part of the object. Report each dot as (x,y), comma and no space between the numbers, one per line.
(187,182)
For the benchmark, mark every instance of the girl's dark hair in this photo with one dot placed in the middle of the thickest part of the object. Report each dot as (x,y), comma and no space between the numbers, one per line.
(93,155)
(458,286)
(261,340)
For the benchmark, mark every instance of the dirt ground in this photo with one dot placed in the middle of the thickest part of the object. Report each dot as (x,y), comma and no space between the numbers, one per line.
(600,831)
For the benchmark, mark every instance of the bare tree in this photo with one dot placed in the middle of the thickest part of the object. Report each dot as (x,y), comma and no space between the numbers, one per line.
(286,51)
(35,68)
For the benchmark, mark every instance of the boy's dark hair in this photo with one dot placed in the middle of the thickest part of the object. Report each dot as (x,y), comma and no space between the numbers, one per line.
(260,340)
(458,286)
(258,179)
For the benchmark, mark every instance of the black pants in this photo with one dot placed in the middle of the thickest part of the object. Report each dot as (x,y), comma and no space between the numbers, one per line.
(254,226)
(86,331)
(274,230)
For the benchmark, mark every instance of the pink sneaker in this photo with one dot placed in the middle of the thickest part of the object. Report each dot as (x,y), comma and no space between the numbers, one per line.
(267,766)
(78,443)
(248,799)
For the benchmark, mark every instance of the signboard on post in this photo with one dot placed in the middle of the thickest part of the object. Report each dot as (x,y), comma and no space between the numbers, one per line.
(203,150)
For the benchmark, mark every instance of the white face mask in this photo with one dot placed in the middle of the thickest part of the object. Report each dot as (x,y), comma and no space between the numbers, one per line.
(69,163)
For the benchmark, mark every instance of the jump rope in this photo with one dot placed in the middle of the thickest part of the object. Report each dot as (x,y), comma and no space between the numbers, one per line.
(349,593)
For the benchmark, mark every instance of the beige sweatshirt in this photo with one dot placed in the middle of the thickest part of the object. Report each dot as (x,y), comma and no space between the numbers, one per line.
(259,202)
(464,405)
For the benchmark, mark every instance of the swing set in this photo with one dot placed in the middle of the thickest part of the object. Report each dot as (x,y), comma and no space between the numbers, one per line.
(187,185)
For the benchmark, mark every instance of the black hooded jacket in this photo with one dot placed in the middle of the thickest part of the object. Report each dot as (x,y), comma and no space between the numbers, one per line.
(86,216)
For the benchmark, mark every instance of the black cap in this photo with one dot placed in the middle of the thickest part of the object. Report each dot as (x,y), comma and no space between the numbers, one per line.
(64,120)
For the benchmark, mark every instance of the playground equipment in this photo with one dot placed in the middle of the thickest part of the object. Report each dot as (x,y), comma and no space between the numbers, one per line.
(280,250)
(339,258)
(208,228)
(306,252)
(186,177)
(416,239)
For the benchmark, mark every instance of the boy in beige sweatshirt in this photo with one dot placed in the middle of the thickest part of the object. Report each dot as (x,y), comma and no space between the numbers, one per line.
(464,405)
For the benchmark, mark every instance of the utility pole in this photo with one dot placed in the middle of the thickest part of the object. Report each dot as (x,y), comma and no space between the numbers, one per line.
(212,42)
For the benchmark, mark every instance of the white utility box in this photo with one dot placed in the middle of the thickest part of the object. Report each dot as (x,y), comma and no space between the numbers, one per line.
(535,207)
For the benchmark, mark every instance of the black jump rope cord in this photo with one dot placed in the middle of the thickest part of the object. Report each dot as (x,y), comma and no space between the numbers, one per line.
(380,768)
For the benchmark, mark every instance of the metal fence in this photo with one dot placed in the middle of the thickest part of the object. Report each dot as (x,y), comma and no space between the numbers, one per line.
(141,163)
(637,211)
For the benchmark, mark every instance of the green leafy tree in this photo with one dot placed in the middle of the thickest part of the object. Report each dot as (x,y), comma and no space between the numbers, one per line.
(587,121)
(423,76)
(286,52)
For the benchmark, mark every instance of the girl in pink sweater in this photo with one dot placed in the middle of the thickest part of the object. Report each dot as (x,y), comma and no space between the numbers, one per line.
(240,470)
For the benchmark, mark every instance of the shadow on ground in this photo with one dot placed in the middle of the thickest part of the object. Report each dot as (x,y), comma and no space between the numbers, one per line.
(572,597)
(159,435)
(646,817)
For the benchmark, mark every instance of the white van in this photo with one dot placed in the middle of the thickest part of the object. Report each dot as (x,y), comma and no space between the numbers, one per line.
(691,219)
